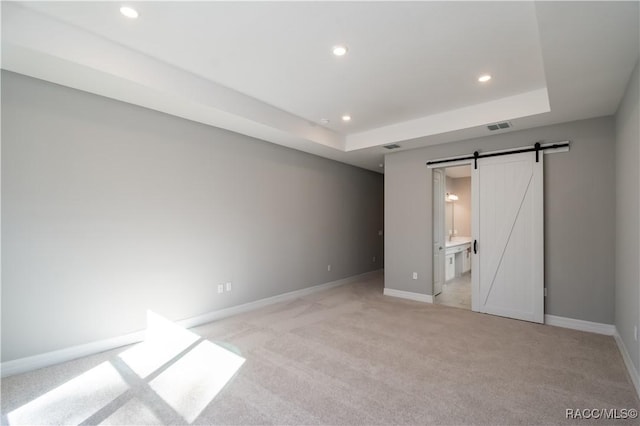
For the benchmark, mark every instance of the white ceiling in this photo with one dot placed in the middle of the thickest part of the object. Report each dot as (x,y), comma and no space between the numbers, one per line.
(265,69)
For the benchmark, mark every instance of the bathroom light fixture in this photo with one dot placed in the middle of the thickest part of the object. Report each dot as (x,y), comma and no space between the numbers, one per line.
(339,50)
(346,118)
(451,197)
(484,78)
(129,12)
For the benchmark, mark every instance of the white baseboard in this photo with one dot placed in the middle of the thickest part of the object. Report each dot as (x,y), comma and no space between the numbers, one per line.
(23,365)
(633,373)
(595,327)
(419,297)
(234,310)
(575,324)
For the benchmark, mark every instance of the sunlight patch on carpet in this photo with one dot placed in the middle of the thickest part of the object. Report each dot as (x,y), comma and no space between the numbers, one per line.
(177,367)
(164,340)
(195,379)
(73,401)
(134,412)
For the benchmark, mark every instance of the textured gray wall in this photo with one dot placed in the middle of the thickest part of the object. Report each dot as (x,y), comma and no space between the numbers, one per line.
(627,218)
(109,209)
(579,215)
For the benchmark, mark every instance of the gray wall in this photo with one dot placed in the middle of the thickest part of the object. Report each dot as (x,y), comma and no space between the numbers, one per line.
(579,215)
(109,209)
(627,218)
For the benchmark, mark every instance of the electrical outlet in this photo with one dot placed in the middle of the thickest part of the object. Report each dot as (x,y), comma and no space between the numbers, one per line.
(228,285)
(415,275)
(220,288)
(374,259)
(545,292)
(635,332)
(328,267)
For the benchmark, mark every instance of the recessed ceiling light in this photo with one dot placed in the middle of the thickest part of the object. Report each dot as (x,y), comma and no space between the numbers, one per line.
(129,12)
(346,118)
(484,78)
(339,50)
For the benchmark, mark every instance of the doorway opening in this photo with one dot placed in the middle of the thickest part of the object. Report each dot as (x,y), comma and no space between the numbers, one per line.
(452,236)
(507,233)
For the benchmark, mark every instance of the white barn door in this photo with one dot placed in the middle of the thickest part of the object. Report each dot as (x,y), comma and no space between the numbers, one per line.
(507,227)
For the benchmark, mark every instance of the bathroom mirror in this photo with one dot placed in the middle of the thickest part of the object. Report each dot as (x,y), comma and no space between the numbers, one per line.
(448,219)
(450,200)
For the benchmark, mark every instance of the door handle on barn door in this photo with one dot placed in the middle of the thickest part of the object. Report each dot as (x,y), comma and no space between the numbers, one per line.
(475,246)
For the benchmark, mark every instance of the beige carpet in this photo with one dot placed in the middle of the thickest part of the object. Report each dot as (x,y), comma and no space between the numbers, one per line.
(343,356)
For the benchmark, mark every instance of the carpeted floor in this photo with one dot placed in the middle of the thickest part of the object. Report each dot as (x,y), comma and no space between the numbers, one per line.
(347,355)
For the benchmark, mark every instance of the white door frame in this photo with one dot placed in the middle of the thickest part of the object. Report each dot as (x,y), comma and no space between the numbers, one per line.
(438,225)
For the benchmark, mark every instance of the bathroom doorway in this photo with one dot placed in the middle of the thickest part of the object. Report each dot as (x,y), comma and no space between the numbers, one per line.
(507,232)
(452,236)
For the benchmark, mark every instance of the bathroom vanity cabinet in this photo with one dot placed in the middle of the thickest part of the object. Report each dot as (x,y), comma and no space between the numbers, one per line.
(457,257)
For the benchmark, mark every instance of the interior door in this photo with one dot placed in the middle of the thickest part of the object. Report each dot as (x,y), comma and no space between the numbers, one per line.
(438,230)
(507,228)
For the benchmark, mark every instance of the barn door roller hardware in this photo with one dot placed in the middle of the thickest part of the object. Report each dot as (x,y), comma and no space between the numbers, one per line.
(537,148)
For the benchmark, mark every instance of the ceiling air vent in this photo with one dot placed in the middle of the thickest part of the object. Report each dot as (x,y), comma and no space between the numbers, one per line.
(392,146)
(499,126)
